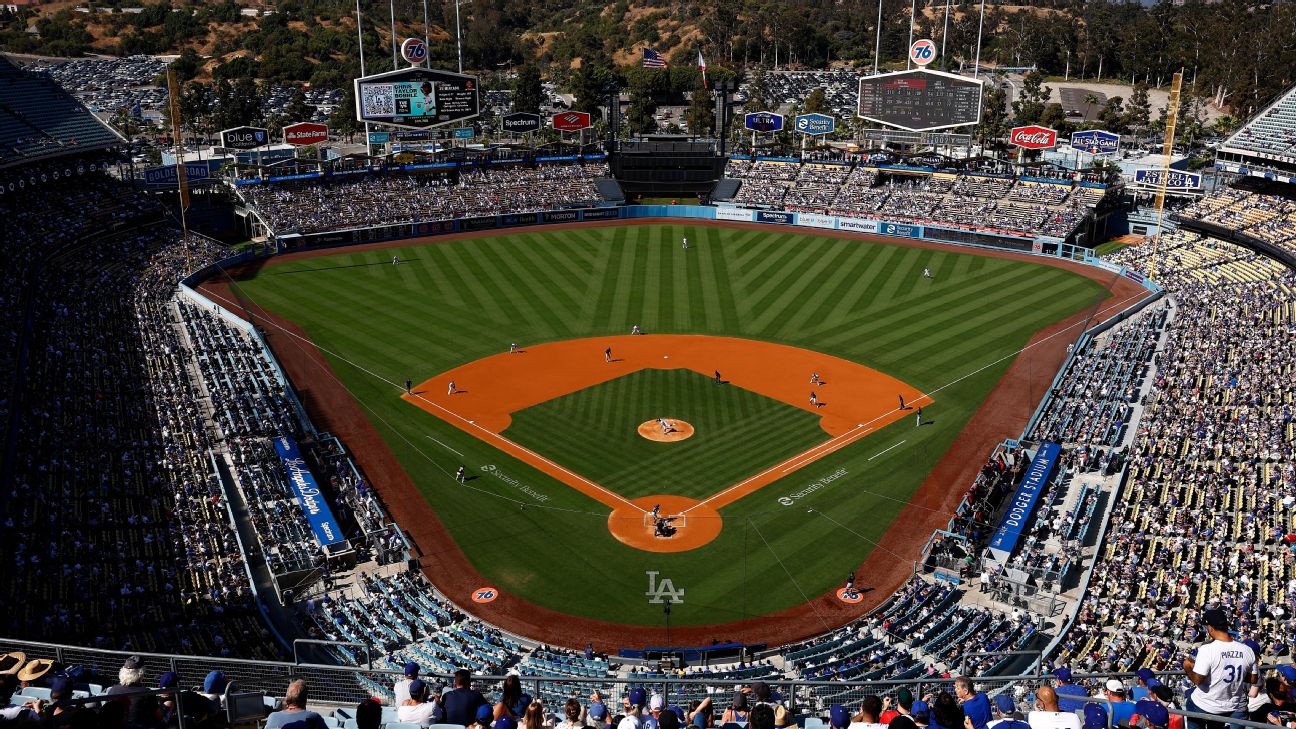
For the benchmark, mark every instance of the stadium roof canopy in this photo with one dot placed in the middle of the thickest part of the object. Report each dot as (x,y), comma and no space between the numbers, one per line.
(1266,145)
(39,120)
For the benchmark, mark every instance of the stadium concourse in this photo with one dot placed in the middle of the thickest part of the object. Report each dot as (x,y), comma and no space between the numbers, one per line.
(147,509)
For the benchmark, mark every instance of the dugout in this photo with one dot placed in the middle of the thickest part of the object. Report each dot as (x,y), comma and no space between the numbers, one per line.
(667,165)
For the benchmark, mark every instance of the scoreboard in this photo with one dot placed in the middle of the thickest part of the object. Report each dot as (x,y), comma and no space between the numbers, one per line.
(920,100)
(416,98)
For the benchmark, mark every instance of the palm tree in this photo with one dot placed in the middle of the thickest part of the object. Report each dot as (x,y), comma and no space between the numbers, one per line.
(1090,100)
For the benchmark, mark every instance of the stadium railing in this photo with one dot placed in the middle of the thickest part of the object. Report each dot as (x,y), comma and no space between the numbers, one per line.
(348,685)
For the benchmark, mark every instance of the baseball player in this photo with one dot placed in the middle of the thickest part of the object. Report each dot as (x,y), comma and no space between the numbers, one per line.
(395,260)
(513,348)
(607,355)
(684,245)
(718,381)
(814,379)
(451,389)
(635,329)
(656,511)
(902,405)
(926,272)
(409,387)
(814,399)
(461,475)
(918,424)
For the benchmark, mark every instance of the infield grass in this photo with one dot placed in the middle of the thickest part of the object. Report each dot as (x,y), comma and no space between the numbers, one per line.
(452,302)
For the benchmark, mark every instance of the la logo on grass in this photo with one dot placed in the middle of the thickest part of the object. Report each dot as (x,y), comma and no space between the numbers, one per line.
(662,591)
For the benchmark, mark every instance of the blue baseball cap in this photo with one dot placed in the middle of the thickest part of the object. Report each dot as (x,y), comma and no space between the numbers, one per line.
(417,688)
(411,669)
(1095,716)
(839,717)
(214,683)
(170,679)
(506,722)
(1155,713)
(1288,673)
(1063,674)
(1005,703)
(598,710)
(920,709)
(1145,674)
(637,697)
(485,713)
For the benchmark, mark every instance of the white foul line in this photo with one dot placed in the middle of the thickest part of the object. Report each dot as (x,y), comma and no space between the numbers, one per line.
(443,445)
(897,445)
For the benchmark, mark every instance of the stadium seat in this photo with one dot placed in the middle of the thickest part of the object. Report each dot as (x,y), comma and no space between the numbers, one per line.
(401,725)
(814,723)
(36,692)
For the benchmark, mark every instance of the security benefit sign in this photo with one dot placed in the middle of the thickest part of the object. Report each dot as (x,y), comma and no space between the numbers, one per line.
(1021,508)
(415,98)
(1174,179)
(816,124)
(313,503)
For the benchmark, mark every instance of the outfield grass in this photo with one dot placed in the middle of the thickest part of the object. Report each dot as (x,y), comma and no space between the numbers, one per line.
(451,302)
(738,433)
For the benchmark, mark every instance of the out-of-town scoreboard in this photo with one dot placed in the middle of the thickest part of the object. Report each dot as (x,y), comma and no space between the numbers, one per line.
(920,100)
(417,98)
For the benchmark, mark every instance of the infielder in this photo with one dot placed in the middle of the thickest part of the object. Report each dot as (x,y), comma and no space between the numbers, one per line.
(814,399)
(607,355)
(451,389)
(513,348)
(814,379)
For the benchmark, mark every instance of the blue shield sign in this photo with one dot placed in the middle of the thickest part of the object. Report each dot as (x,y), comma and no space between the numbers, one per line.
(1096,141)
(763,121)
(464,133)
(816,124)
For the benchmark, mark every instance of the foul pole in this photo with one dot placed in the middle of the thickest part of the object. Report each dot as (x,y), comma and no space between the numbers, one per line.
(182,181)
(1167,148)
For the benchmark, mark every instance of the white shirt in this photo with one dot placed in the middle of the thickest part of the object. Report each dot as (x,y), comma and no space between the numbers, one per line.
(1226,665)
(1053,720)
(418,713)
(402,691)
(630,721)
(865,725)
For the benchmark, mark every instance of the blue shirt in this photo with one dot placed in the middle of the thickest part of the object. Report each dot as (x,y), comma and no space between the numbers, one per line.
(1121,711)
(1071,689)
(977,709)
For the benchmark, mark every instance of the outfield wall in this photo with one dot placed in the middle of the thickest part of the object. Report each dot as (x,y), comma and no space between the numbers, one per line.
(936,233)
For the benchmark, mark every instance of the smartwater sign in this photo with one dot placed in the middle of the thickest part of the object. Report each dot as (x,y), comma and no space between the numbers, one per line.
(856,225)
(1016,519)
(313,504)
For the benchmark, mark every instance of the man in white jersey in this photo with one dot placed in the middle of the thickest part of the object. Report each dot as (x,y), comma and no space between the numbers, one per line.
(1223,671)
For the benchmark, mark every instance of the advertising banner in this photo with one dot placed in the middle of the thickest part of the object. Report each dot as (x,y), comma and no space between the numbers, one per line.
(478,223)
(900,230)
(775,216)
(1020,509)
(603,214)
(733,214)
(314,505)
(815,220)
(856,225)
(561,216)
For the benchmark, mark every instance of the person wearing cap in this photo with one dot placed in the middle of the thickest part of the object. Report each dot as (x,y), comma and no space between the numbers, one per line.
(656,703)
(1006,714)
(1121,708)
(1146,680)
(782,717)
(130,684)
(461,703)
(1047,713)
(1223,671)
(976,706)
(294,714)
(214,689)
(920,713)
(635,701)
(869,715)
(422,707)
(1095,716)
(368,714)
(838,717)
(401,688)
(900,718)
(485,715)
(597,713)
(889,713)
(1065,687)
(506,722)
(1165,696)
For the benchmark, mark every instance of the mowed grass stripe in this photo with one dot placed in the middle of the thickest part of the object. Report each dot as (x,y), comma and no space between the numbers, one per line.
(793,272)
(714,285)
(849,304)
(596,290)
(557,253)
(715,251)
(546,298)
(744,246)
(435,261)
(776,257)
(847,276)
(806,285)
(468,279)
(888,290)
(623,287)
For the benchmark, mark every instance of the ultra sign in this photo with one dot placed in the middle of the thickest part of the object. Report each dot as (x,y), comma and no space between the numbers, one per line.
(763,121)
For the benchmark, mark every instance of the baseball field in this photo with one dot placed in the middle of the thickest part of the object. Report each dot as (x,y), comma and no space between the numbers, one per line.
(775,498)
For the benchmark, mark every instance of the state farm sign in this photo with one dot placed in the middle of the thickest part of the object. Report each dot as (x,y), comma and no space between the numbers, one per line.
(1034,137)
(304,133)
(571,121)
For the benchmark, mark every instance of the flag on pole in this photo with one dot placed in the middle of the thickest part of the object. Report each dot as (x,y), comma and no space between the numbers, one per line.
(653,59)
(702,68)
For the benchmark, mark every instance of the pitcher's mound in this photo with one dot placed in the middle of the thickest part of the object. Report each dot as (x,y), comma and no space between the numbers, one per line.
(670,432)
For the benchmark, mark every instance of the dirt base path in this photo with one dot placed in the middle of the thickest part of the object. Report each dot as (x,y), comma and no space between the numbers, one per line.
(850,399)
(1003,414)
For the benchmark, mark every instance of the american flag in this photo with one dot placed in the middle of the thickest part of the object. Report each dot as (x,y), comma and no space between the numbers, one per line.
(653,59)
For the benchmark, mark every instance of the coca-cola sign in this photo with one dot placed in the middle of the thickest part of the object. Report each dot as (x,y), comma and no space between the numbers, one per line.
(1034,137)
